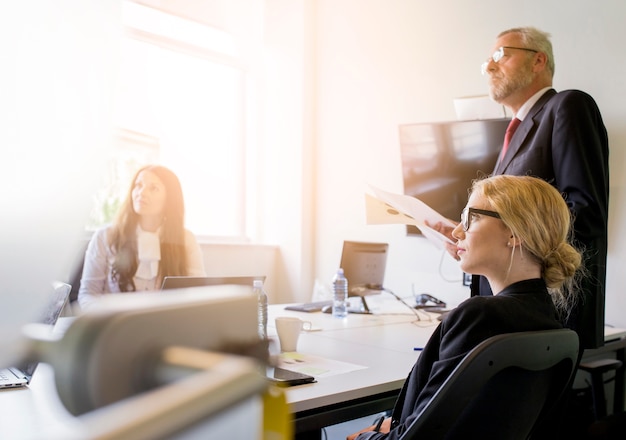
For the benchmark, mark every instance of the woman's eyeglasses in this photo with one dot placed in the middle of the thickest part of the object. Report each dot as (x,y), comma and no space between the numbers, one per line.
(467,214)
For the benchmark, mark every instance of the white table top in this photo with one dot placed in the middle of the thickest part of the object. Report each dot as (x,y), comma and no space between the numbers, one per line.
(34,409)
(384,343)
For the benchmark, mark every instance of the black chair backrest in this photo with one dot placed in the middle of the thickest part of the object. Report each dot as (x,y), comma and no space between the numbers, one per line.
(75,278)
(503,389)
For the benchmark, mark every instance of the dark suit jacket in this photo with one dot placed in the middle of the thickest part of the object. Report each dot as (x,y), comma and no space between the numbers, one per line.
(563,140)
(523,306)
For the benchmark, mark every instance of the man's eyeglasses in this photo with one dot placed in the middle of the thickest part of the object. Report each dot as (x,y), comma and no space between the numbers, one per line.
(468,213)
(498,54)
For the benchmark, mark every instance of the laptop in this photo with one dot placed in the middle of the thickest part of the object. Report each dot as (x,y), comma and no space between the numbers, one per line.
(182,282)
(364,266)
(16,377)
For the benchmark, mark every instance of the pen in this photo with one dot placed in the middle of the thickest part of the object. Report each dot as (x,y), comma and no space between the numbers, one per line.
(379,423)
(417,348)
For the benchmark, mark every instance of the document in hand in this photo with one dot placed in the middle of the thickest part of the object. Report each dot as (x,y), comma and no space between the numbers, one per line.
(388,208)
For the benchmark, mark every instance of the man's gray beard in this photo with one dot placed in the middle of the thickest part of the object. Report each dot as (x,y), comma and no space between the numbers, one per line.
(509,86)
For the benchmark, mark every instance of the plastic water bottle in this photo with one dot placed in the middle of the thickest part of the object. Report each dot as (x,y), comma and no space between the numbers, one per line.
(340,295)
(261,296)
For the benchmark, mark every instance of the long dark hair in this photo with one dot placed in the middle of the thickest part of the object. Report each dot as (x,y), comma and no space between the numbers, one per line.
(123,236)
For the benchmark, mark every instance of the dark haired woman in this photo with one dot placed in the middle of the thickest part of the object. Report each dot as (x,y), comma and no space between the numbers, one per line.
(146,242)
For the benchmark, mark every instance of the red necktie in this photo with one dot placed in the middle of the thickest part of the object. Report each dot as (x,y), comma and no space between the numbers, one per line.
(509,134)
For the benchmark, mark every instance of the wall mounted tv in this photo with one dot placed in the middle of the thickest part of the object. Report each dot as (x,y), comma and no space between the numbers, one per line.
(440,160)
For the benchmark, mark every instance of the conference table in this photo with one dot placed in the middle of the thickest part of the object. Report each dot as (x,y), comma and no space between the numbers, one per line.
(360,362)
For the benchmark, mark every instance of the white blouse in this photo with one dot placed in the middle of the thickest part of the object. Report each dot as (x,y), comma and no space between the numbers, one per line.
(97,276)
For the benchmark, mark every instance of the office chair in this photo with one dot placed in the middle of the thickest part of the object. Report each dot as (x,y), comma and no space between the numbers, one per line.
(596,370)
(505,388)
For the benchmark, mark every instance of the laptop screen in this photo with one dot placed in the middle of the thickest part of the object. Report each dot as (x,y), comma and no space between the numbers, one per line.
(364,266)
(57,302)
(53,309)
(181,282)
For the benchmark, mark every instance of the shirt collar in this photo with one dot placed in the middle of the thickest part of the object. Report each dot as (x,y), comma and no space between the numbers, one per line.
(525,108)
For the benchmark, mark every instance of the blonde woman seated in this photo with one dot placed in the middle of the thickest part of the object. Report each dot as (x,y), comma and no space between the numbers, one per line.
(514,231)
(147,241)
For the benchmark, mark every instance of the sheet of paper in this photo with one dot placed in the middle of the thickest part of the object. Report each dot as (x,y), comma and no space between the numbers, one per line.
(314,365)
(381,213)
(390,208)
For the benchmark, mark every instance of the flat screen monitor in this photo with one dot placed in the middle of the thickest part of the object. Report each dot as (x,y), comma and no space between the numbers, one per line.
(441,159)
(364,265)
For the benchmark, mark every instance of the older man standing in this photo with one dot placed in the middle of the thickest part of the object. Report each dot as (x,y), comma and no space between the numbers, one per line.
(561,138)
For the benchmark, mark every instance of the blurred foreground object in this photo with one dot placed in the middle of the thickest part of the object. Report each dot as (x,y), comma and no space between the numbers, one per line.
(162,366)
(59,69)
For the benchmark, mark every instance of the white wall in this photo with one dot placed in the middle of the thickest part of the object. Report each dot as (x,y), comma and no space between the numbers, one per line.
(384,63)
(232,260)
(285,90)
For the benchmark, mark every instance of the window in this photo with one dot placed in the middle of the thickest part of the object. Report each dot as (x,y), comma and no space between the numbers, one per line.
(181,103)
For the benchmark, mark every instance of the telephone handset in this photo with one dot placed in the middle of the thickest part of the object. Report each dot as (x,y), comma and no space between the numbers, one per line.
(426,301)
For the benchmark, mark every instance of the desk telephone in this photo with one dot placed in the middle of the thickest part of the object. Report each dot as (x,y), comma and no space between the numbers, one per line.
(426,301)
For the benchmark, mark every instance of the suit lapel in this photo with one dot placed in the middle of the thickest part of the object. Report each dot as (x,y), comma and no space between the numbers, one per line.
(519,138)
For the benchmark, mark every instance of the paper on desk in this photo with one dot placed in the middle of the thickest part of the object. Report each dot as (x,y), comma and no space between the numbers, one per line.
(315,366)
(389,208)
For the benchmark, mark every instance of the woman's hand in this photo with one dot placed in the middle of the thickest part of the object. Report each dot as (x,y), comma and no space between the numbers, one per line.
(447,231)
(384,428)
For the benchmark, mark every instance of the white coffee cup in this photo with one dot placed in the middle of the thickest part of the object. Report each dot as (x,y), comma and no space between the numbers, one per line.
(288,329)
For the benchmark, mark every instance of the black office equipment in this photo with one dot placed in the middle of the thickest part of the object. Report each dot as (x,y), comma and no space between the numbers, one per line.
(287,378)
(596,369)
(364,265)
(427,301)
(440,160)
